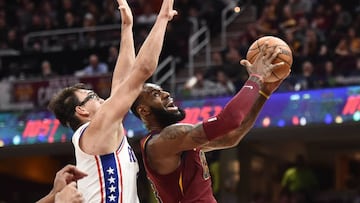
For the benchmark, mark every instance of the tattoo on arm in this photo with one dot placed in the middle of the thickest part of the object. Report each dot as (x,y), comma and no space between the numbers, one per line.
(188,136)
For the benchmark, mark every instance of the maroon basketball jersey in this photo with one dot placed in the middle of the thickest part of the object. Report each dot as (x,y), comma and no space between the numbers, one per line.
(190,182)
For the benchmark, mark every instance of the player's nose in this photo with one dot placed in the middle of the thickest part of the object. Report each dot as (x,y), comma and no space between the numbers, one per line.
(165,94)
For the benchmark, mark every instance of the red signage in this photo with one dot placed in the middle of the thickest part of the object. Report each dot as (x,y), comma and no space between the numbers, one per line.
(40,92)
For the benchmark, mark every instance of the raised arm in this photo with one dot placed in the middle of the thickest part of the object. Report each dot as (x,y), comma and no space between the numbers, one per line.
(144,66)
(233,138)
(118,104)
(126,58)
(234,119)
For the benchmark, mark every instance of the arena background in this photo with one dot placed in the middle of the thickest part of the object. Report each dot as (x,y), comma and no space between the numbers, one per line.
(316,116)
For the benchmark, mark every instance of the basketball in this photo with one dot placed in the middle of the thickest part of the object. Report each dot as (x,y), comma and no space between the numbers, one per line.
(285,55)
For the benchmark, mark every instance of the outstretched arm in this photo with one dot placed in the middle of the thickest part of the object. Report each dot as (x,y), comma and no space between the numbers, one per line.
(145,63)
(126,58)
(165,148)
(233,138)
(118,104)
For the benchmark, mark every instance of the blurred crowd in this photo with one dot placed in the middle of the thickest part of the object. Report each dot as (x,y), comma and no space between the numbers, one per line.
(323,34)
(67,33)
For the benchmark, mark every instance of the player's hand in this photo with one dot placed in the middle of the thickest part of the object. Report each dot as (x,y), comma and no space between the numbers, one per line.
(262,65)
(126,14)
(167,10)
(66,175)
(69,194)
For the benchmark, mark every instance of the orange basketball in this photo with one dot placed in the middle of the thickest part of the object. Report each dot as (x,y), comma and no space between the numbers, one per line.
(285,56)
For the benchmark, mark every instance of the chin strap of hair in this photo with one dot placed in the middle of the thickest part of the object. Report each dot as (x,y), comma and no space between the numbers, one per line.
(235,110)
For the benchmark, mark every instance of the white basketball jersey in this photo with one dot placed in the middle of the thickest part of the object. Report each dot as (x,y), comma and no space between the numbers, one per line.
(111,177)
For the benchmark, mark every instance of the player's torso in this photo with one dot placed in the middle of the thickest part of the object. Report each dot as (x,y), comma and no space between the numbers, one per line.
(191,182)
(111,177)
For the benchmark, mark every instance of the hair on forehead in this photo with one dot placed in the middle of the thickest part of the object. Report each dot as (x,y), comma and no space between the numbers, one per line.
(146,88)
(152,86)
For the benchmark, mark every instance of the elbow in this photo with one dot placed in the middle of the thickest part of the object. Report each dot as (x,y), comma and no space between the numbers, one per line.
(147,69)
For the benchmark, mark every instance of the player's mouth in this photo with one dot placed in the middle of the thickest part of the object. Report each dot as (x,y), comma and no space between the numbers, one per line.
(171,106)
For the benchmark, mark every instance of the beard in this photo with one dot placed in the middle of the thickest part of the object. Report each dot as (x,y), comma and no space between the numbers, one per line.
(165,118)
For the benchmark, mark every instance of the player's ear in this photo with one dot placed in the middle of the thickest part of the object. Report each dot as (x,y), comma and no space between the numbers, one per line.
(143,110)
(81,110)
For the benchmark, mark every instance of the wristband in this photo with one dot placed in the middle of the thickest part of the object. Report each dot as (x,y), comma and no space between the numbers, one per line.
(258,76)
(264,94)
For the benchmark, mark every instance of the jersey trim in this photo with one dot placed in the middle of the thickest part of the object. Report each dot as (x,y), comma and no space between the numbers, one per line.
(181,183)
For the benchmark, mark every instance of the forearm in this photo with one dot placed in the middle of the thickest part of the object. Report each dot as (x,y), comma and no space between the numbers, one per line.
(233,138)
(235,111)
(126,57)
(149,52)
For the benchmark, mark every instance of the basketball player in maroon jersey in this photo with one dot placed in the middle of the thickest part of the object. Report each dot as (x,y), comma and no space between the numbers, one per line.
(173,153)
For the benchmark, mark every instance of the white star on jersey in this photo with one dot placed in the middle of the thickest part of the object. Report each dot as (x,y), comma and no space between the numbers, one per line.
(111,180)
(112,188)
(112,198)
(110,170)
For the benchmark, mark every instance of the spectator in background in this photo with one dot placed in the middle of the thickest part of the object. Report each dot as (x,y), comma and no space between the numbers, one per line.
(112,57)
(69,21)
(356,72)
(354,40)
(199,86)
(225,86)
(148,16)
(307,79)
(46,70)
(217,63)
(110,16)
(95,67)
(328,75)
(13,41)
(300,181)
(345,59)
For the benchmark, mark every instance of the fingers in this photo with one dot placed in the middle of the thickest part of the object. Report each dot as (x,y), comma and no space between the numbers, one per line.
(79,174)
(167,10)
(71,173)
(72,184)
(274,54)
(69,194)
(264,48)
(245,63)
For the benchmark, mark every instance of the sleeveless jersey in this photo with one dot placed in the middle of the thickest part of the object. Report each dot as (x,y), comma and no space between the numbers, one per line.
(111,177)
(190,182)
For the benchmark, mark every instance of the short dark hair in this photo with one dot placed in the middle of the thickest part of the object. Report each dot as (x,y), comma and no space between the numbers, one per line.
(63,105)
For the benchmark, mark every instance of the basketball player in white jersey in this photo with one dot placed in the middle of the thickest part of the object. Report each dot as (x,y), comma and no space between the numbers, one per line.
(101,148)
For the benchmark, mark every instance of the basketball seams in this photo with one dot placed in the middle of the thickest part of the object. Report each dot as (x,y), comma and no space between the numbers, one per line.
(284,60)
(285,55)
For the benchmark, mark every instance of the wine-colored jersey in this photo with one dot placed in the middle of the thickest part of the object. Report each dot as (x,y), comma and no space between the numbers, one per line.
(111,177)
(190,182)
